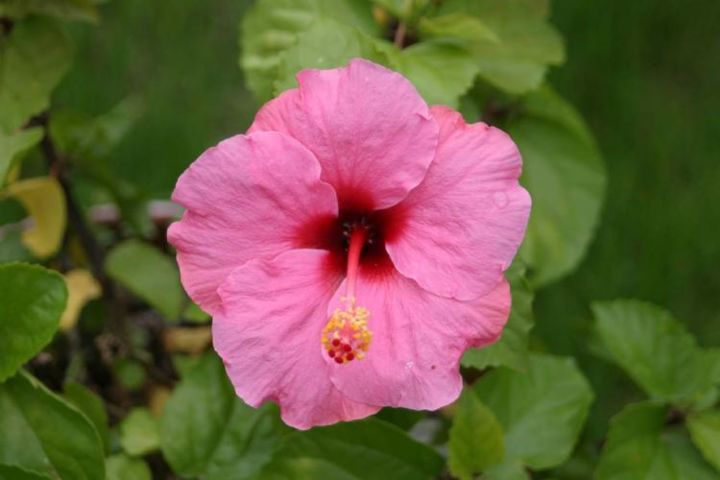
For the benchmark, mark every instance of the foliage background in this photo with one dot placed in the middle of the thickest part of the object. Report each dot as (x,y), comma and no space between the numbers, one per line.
(642,73)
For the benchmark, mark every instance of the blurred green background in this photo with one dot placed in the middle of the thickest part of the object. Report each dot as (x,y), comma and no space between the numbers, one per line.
(644,74)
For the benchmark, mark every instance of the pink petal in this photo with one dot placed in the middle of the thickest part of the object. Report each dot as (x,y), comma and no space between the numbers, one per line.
(369,128)
(418,339)
(248,197)
(460,229)
(268,334)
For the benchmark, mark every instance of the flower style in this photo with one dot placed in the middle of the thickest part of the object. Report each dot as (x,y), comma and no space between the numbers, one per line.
(351,246)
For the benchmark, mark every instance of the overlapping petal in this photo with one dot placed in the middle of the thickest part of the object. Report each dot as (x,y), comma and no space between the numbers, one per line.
(268,334)
(369,128)
(418,339)
(461,227)
(248,197)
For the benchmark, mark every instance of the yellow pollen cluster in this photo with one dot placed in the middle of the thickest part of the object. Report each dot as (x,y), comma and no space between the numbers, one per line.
(346,336)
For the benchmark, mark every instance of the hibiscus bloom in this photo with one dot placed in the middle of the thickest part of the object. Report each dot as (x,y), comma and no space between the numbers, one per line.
(351,246)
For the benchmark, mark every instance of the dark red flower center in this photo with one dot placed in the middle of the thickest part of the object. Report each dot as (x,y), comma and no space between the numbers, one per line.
(334,233)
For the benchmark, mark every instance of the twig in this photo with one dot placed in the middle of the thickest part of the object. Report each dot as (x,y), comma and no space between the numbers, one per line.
(400,33)
(116,309)
(56,166)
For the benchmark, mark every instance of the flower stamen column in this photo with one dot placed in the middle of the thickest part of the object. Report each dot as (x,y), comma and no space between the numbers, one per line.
(346,336)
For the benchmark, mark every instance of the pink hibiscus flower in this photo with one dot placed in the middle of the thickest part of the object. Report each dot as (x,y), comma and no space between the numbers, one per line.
(351,246)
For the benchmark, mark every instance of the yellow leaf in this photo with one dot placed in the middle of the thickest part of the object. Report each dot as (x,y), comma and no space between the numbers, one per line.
(187,340)
(82,287)
(44,201)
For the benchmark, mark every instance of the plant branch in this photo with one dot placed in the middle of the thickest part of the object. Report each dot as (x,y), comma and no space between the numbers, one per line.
(56,166)
(400,33)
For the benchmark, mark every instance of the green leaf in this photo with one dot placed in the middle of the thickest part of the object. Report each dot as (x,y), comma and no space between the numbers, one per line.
(407,10)
(207,431)
(68,9)
(705,432)
(542,411)
(89,141)
(653,348)
(523,44)
(564,173)
(130,373)
(364,450)
(272,26)
(441,70)
(31,302)
(195,314)
(8,472)
(49,436)
(324,44)
(513,470)
(122,467)
(457,25)
(12,148)
(149,274)
(85,138)
(638,447)
(511,350)
(400,417)
(33,59)
(92,406)
(476,438)
(139,432)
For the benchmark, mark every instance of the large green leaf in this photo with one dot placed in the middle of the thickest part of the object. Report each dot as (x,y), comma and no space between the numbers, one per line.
(653,348)
(364,450)
(511,349)
(92,406)
(564,173)
(12,148)
(476,438)
(207,431)
(43,434)
(70,9)
(519,43)
(272,26)
(441,70)
(149,274)
(541,411)
(33,59)
(31,302)
(324,44)
(139,432)
(8,472)
(705,431)
(639,448)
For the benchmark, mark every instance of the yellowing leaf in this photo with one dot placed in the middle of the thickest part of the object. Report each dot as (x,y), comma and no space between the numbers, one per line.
(44,201)
(82,287)
(187,340)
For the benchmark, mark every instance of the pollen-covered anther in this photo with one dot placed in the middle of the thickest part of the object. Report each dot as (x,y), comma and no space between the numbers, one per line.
(346,336)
